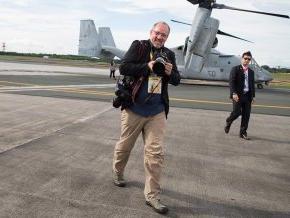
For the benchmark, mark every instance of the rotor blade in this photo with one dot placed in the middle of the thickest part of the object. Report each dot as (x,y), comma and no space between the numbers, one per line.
(176,21)
(219,31)
(195,2)
(226,34)
(222,6)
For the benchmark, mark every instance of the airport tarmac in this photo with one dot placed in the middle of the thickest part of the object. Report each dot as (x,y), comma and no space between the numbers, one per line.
(94,84)
(56,157)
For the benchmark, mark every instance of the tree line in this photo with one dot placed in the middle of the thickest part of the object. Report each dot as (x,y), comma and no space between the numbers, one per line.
(69,57)
(78,57)
(276,69)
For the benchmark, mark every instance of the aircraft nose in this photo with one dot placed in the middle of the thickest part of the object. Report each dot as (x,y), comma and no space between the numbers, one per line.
(267,75)
(263,75)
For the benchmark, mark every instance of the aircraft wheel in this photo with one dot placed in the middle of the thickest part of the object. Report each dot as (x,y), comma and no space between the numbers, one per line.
(260,86)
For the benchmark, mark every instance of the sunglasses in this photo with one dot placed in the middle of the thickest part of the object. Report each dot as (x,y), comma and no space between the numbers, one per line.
(247,59)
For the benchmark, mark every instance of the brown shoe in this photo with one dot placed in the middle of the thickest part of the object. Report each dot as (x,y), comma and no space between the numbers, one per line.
(118,180)
(157,206)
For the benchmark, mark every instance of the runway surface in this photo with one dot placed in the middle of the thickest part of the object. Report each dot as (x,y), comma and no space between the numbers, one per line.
(94,84)
(58,130)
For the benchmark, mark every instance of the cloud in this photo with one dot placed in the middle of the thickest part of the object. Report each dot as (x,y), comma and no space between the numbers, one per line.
(53,26)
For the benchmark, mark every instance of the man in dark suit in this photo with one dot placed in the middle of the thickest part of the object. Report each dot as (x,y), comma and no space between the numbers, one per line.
(242,92)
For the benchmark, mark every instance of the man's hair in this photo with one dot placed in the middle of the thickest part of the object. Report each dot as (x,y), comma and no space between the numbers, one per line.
(161,22)
(247,53)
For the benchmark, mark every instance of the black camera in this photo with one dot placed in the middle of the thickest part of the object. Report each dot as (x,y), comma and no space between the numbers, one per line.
(159,65)
(123,92)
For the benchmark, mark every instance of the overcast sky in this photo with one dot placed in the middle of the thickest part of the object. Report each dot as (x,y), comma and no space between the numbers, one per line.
(43,26)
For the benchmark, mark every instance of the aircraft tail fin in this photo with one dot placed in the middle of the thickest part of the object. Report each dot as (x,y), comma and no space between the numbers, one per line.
(106,37)
(95,43)
(89,43)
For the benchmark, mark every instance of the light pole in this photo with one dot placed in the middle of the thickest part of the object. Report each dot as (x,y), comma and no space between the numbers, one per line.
(3,46)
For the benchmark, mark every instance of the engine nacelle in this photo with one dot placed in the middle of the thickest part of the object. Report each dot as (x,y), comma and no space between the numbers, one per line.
(215,43)
(206,37)
(199,48)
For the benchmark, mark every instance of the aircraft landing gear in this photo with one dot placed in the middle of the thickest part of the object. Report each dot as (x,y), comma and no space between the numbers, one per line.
(260,86)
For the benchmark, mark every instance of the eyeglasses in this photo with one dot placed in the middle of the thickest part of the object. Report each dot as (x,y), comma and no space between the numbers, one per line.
(160,34)
(247,59)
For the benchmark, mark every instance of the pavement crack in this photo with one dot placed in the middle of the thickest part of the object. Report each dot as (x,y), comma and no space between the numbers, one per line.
(74,202)
(60,130)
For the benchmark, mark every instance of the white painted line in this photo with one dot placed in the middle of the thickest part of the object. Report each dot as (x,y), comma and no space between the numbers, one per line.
(32,88)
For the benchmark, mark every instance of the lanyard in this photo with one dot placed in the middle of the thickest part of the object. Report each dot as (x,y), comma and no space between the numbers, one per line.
(151,55)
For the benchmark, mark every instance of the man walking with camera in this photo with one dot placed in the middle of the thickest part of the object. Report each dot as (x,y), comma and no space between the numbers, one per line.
(148,112)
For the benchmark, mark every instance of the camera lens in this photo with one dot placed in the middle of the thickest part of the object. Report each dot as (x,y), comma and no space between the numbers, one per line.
(159,66)
(117,102)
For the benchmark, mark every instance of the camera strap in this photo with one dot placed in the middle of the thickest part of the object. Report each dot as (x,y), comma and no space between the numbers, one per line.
(156,85)
(151,94)
(152,54)
(136,88)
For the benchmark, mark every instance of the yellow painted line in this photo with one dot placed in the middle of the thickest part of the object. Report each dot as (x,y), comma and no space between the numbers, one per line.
(271,106)
(227,103)
(26,84)
(71,90)
(199,101)
(75,91)
(60,89)
(177,99)
(82,91)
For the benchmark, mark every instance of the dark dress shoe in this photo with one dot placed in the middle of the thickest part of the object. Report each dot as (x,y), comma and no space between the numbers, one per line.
(157,206)
(227,129)
(244,136)
(118,180)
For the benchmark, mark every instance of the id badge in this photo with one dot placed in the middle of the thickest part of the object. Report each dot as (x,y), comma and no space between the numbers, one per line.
(154,84)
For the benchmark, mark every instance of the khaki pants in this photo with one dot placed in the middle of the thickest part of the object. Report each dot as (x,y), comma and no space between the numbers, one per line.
(153,130)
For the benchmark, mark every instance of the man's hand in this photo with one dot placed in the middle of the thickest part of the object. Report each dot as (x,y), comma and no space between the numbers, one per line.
(168,68)
(235,97)
(253,100)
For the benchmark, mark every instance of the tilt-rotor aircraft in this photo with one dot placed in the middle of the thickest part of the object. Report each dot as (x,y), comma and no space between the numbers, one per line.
(197,58)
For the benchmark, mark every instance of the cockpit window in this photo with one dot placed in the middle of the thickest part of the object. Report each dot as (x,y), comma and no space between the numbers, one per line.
(254,65)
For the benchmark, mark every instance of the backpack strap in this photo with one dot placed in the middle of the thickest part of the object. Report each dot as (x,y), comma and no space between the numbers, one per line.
(137,84)
(136,87)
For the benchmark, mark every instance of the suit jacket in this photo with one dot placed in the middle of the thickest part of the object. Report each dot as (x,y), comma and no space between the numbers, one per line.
(237,81)
(135,63)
